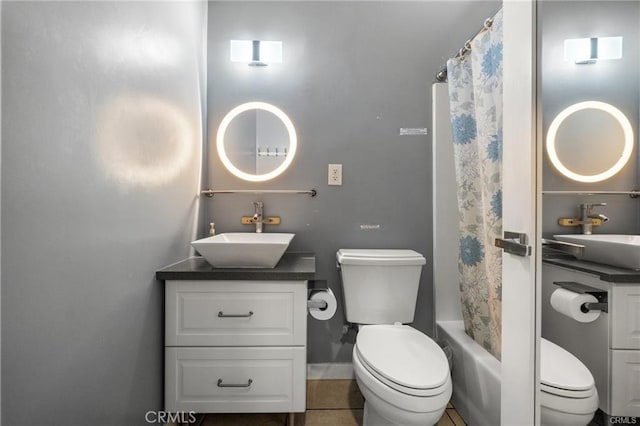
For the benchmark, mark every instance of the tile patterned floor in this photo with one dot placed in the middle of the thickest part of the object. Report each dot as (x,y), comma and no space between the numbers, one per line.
(329,403)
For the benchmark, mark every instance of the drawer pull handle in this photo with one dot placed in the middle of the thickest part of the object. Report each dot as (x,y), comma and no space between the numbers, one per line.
(234,385)
(223,315)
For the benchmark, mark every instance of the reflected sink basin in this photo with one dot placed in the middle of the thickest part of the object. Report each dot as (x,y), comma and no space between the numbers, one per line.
(243,249)
(610,249)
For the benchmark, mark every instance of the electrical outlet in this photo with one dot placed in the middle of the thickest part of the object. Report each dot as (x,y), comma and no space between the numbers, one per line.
(335,174)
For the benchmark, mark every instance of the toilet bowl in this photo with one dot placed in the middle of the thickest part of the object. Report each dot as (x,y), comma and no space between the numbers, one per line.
(402,374)
(568,395)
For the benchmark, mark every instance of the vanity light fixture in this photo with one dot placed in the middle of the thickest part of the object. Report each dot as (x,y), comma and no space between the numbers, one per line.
(293,141)
(589,50)
(256,53)
(624,156)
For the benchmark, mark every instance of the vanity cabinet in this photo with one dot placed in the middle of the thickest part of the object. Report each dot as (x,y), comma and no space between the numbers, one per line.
(235,340)
(608,346)
(235,346)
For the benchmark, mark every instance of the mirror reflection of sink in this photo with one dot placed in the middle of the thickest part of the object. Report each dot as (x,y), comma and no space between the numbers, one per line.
(609,249)
(243,249)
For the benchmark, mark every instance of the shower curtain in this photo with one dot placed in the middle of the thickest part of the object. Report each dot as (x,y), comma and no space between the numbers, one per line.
(475,92)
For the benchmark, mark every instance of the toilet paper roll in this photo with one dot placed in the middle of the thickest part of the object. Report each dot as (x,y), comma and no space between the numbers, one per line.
(569,303)
(330,310)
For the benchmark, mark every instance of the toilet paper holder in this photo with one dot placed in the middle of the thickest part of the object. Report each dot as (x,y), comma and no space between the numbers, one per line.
(602,304)
(316,304)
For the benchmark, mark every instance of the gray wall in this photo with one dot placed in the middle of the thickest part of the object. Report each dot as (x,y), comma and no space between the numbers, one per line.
(445,201)
(353,73)
(1,11)
(101,158)
(616,82)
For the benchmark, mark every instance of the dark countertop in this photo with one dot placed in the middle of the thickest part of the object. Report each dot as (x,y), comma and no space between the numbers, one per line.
(292,267)
(606,273)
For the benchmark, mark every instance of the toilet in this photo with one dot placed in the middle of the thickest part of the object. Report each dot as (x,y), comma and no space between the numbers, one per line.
(402,373)
(568,395)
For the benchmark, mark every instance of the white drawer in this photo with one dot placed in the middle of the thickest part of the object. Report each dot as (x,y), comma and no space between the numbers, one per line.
(265,379)
(625,320)
(625,383)
(235,313)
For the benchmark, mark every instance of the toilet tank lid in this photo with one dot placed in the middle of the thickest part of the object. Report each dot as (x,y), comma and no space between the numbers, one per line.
(399,257)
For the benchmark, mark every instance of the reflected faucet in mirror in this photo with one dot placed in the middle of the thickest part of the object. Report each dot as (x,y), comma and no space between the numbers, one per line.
(587,219)
(258,217)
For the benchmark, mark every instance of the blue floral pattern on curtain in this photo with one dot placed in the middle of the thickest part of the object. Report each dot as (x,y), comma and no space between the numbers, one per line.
(475,92)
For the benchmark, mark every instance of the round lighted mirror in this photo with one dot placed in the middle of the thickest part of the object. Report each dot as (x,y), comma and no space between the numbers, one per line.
(590,141)
(256,141)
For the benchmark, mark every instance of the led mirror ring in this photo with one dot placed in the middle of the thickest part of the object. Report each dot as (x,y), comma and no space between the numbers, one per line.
(293,141)
(624,157)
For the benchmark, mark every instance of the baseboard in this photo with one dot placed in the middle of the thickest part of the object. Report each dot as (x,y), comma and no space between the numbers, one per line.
(330,371)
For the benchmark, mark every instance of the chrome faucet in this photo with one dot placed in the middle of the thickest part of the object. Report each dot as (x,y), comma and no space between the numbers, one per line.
(258,218)
(258,215)
(587,216)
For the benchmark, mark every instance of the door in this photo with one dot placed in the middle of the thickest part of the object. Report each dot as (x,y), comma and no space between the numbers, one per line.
(520,291)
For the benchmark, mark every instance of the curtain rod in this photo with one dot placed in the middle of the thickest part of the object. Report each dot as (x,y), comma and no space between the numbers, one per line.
(464,50)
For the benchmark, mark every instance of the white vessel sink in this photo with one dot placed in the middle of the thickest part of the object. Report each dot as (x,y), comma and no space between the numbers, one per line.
(610,249)
(243,249)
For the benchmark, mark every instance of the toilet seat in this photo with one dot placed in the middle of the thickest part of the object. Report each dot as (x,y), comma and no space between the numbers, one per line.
(403,359)
(562,374)
(397,407)
(569,395)
(564,393)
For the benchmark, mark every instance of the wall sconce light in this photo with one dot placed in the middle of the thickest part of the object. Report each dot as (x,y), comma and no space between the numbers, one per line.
(256,53)
(589,50)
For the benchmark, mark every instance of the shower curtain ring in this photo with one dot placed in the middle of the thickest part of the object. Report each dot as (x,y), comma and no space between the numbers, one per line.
(488,23)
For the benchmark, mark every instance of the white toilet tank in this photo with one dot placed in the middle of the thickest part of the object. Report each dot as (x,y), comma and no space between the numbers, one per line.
(380,286)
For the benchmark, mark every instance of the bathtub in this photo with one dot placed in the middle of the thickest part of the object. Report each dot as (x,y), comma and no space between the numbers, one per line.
(475,374)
